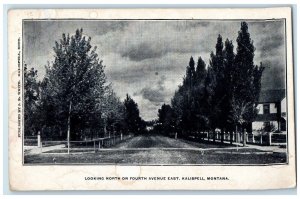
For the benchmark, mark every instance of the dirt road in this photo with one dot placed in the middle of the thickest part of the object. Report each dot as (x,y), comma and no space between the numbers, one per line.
(158,141)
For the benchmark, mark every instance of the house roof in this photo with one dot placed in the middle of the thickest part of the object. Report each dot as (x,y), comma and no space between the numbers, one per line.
(271,95)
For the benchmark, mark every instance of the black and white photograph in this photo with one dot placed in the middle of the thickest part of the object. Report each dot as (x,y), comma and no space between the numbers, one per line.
(151,99)
(155,92)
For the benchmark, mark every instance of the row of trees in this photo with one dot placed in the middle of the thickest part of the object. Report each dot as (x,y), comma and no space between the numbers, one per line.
(73,99)
(219,96)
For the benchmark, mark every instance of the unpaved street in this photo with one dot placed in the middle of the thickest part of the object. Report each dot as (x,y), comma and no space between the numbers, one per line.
(158,141)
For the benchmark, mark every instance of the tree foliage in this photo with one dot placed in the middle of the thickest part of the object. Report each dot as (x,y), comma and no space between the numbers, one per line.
(166,119)
(74,94)
(221,95)
(31,101)
(133,121)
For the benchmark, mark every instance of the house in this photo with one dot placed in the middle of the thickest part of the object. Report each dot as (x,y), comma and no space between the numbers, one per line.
(271,111)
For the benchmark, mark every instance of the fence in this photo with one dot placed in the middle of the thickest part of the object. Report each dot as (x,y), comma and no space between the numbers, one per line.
(30,140)
(251,138)
(49,146)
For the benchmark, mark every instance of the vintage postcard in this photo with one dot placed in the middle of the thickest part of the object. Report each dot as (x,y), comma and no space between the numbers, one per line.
(151,99)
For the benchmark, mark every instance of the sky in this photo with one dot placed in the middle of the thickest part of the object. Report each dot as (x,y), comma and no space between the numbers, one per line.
(147,58)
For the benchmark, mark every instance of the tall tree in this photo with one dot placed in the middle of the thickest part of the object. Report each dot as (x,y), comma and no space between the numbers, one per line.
(217,73)
(74,86)
(229,71)
(31,101)
(133,121)
(177,105)
(166,119)
(247,79)
(199,96)
(209,107)
(188,112)
(113,112)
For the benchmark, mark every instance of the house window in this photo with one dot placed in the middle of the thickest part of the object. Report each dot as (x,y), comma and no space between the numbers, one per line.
(266,108)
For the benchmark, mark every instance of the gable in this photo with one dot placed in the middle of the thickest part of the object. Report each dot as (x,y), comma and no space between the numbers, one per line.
(271,96)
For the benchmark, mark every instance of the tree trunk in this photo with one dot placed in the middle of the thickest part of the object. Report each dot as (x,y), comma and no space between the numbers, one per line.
(69,126)
(104,129)
(231,136)
(244,138)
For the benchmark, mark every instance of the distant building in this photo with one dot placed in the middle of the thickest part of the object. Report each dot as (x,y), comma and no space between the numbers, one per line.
(271,110)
